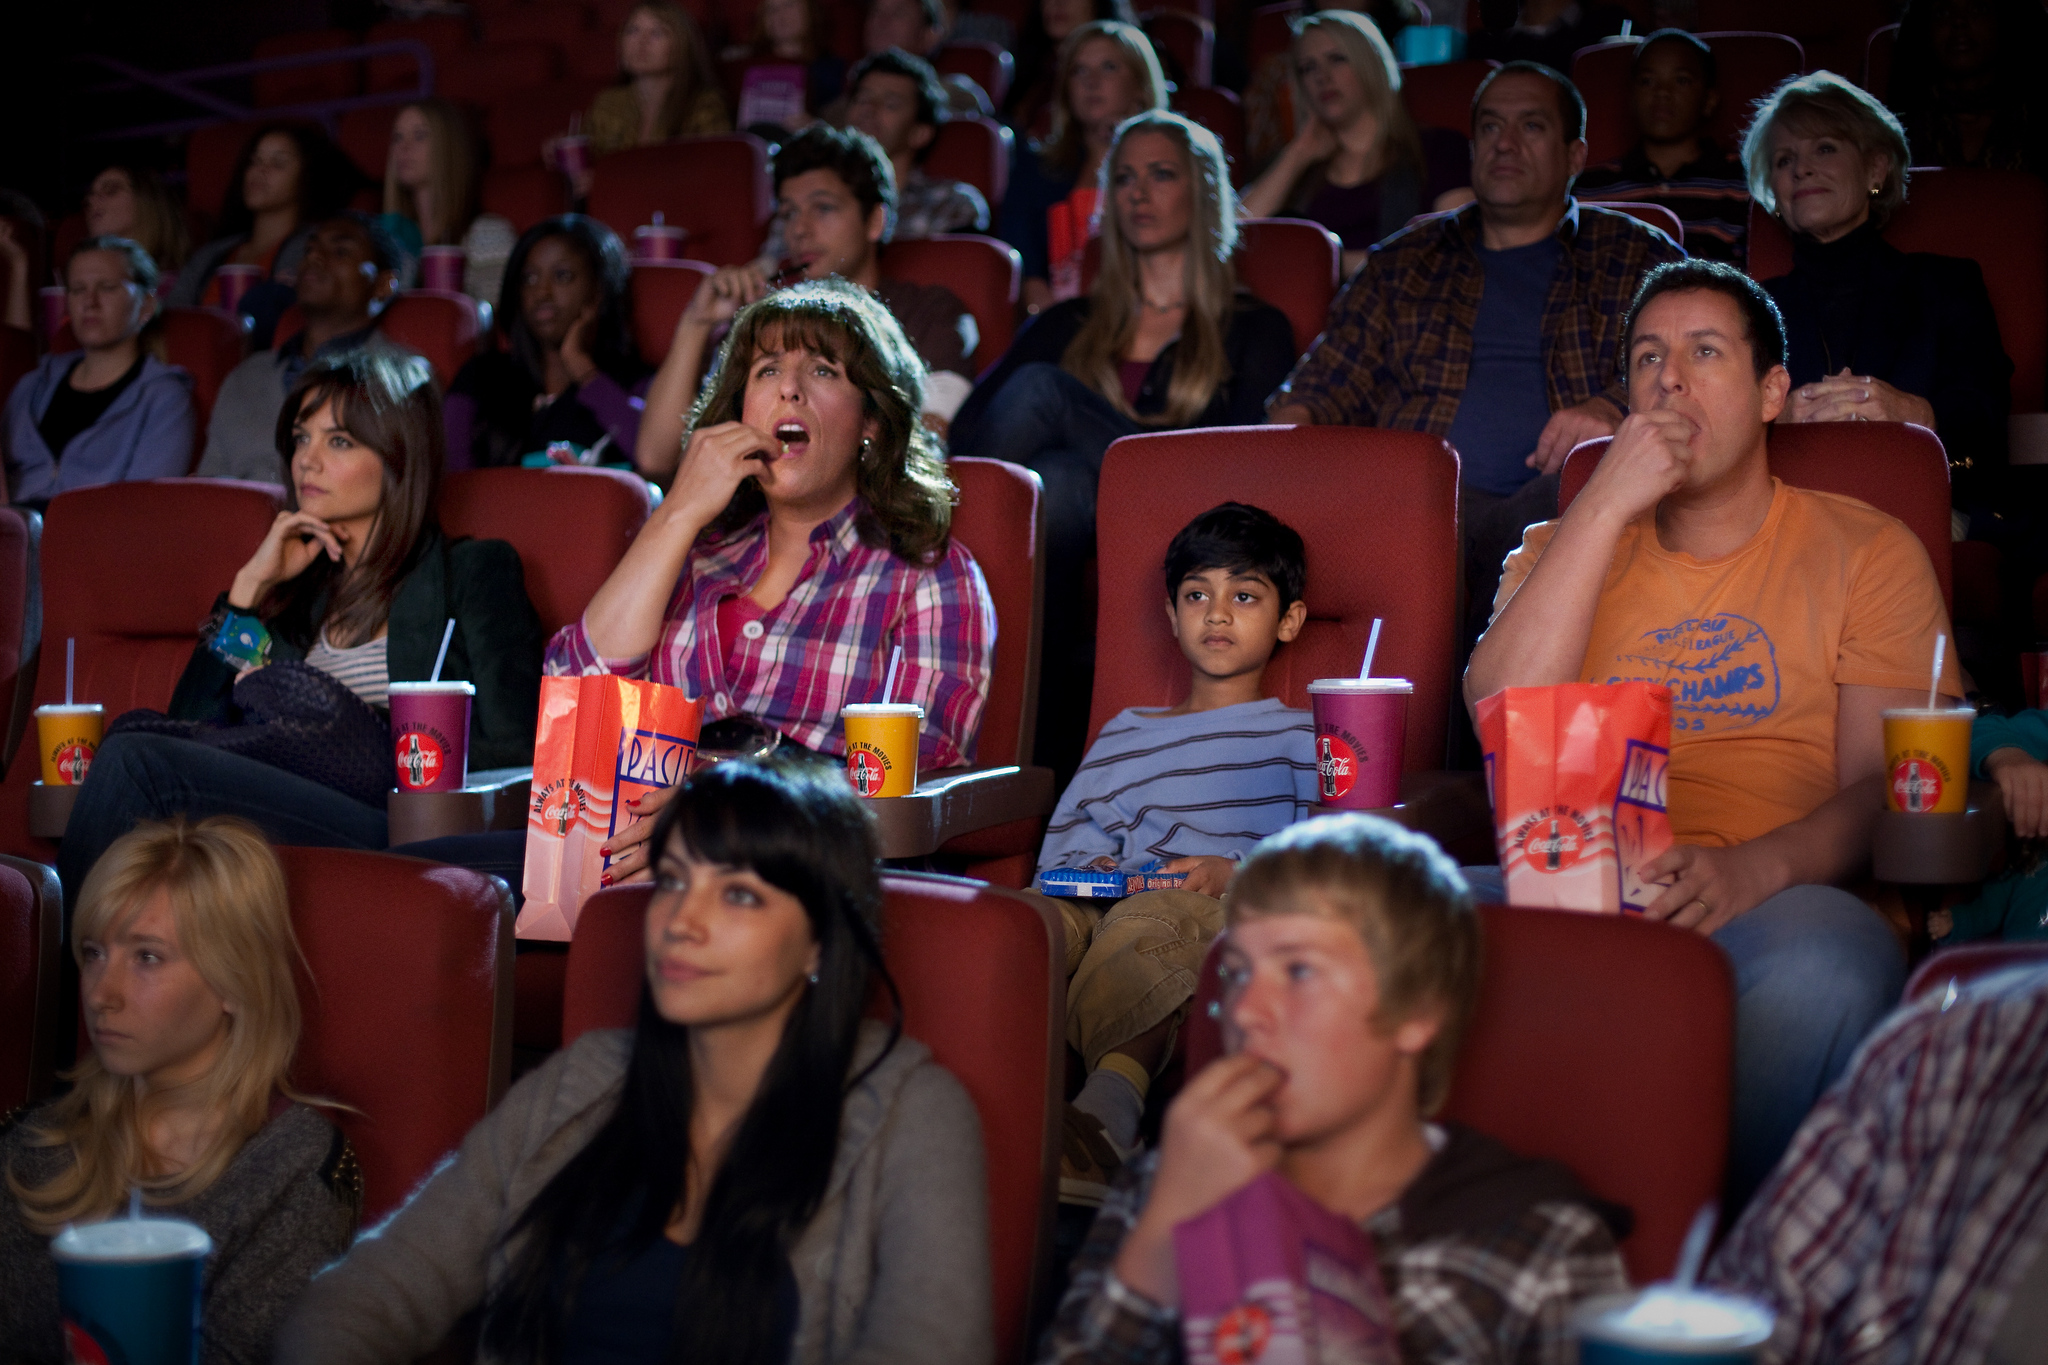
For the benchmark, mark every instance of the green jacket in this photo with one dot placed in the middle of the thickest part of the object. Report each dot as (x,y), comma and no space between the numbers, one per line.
(2015,906)
(498,644)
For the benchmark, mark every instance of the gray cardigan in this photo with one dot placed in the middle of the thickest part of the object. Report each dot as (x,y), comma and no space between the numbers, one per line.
(146,434)
(283,1208)
(893,1269)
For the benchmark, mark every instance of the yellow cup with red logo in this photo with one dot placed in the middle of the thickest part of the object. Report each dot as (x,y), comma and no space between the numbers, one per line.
(1927,759)
(881,746)
(70,736)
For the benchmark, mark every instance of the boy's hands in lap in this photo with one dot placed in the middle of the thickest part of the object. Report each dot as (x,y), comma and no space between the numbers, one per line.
(1204,875)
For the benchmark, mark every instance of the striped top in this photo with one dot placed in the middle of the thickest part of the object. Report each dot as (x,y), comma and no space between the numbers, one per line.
(362,669)
(827,644)
(1710,195)
(1207,783)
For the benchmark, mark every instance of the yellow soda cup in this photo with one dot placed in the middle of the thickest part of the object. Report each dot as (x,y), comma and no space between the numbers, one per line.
(881,746)
(1927,759)
(69,736)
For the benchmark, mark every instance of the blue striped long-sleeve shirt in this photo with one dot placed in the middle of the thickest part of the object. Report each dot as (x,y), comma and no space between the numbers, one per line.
(1166,786)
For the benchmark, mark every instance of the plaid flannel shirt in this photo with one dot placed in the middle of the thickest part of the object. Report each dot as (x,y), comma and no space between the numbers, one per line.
(827,644)
(1915,1194)
(1397,350)
(1502,1297)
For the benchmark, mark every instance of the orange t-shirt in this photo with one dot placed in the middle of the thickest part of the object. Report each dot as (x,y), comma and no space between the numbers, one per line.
(1753,646)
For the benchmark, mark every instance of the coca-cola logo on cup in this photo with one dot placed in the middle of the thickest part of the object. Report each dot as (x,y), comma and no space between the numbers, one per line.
(1336,767)
(866,769)
(74,759)
(419,760)
(80,1348)
(1916,785)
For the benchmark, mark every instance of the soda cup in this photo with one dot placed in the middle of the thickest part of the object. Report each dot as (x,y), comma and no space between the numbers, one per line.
(1927,759)
(69,736)
(659,240)
(235,281)
(56,303)
(129,1290)
(1360,726)
(572,154)
(1665,1325)
(881,746)
(430,727)
(441,268)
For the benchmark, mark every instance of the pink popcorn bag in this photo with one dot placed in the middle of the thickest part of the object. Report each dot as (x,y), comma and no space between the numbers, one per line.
(1271,1277)
(1577,776)
(601,742)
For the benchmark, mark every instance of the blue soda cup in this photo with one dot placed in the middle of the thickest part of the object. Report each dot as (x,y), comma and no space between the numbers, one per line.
(1666,1325)
(129,1290)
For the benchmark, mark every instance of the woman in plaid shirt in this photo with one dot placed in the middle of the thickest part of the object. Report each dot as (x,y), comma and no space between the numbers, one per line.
(1351,967)
(805,536)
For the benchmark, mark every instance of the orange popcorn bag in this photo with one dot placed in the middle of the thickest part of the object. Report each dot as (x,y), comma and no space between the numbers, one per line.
(601,742)
(1577,777)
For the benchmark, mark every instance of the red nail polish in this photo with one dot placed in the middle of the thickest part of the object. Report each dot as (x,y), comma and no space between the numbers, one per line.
(605,880)
(605,852)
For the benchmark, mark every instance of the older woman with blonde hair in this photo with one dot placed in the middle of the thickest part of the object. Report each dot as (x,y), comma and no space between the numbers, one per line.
(1164,339)
(1357,164)
(1874,334)
(186,962)
(433,183)
(1107,72)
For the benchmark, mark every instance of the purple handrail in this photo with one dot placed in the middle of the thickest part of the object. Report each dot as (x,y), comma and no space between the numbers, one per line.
(183,85)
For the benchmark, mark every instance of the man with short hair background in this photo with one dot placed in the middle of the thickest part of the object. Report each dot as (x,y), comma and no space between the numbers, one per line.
(1784,621)
(1497,326)
(350,272)
(897,100)
(1675,165)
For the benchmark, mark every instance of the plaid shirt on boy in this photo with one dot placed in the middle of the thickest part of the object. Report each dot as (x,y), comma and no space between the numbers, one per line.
(827,644)
(1501,1297)
(1915,1195)
(1397,350)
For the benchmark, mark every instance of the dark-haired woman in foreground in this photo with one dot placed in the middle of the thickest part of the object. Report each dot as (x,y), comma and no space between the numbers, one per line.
(751,1174)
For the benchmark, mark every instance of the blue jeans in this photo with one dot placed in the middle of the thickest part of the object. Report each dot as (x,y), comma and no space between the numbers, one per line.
(1050,422)
(1815,970)
(152,777)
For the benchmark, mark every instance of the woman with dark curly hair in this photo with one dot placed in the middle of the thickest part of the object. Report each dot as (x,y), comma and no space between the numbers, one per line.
(568,371)
(805,536)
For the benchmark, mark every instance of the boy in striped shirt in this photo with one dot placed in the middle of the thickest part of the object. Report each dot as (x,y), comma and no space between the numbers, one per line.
(1195,786)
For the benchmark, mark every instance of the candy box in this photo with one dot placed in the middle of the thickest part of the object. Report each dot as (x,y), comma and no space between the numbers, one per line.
(1150,878)
(1082,882)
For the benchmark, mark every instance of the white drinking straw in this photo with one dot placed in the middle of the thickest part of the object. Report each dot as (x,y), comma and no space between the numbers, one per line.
(1372,642)
(1934,683)
(1694,1250)
(442,657)
(135,1201)
(70,663)
(889,685)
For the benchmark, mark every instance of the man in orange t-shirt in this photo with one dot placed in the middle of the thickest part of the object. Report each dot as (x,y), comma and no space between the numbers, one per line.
(1784,622)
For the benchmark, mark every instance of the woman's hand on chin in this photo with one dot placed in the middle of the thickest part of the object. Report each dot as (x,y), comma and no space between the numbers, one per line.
(717,460)
(294,541)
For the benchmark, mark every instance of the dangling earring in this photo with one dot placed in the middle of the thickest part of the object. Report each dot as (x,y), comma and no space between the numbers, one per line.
(814,978)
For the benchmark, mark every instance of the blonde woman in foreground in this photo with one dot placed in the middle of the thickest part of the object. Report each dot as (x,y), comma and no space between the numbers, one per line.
(185,952)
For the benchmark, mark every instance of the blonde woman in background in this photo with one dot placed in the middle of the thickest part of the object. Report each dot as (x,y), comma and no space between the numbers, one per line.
(1164,340)
(1357,164)
(433,182)
(185,953)
(1108,72)
(665,90)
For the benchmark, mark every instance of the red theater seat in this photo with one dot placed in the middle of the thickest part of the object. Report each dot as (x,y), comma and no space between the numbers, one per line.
(661,290)
(134,615)
(31,945)
(554,23)
(518,123)
(1751,66)
(440,325)
(365,134)
(337,80)
(408,1013)
(717,187)
(985,274)
(570,525)
(1378,510)
(21,624)
(987,65)
(208,342)
(485,72)
(525,194)
(1295,265)
(1999,219)
(1441,96)
(210,155)
(1893,466)
(1271,31)
(1219,112)
(1601,1042)
(1185,41)
(445,36)
(983,987)
(974,150)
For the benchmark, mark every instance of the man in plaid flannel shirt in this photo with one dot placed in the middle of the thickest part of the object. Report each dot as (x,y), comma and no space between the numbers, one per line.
(1514,303)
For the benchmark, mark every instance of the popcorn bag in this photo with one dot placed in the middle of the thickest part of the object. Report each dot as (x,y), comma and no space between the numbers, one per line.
(1271,1277)
(1577,773)
(601,742)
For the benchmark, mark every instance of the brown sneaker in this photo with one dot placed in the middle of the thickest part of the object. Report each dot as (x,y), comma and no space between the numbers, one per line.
(1089,1159)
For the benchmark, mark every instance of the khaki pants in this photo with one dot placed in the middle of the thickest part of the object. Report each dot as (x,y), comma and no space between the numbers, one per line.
(1133,964)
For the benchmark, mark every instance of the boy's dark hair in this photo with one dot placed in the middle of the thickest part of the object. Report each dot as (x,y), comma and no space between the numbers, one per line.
(1239,538)
(894,61)
(848,153)
(1764,325)
(1710,70)
(1571,105)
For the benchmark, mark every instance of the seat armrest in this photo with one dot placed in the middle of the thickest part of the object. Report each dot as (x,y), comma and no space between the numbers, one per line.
(1941,850)
(49,808)
(493,799)
(1452,808)
(957,801)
